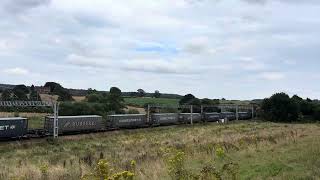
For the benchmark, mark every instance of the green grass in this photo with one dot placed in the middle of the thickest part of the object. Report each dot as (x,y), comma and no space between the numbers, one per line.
(262,150)
(140,102)
(35,122)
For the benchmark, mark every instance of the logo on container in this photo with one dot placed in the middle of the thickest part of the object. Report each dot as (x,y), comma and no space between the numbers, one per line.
(7,127)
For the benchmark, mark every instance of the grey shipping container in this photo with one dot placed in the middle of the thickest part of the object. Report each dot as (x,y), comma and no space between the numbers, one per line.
(210,117)
(186,117)
(244,115)
(13,127)
(228,115)
(165,118)
(127,120)
(72,124)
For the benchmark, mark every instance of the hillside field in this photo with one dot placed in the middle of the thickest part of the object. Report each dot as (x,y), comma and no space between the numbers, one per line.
(240,150)
(140,102)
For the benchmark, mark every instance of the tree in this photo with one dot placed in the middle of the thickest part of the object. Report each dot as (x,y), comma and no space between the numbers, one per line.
(280,107)
(187,99)
(156,94)
(115,100)
(94,98)
(141,92)
(55,88)
(6,95)
(20,92)
(316,113)
(21,88)
(64,95)
(34,95)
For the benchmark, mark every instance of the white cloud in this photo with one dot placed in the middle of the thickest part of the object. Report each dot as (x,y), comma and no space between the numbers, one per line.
(16,71)
(272,76)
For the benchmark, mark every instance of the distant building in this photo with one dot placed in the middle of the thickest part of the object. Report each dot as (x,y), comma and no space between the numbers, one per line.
(42,89)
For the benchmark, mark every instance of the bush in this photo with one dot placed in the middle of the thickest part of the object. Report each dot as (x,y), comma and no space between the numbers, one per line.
(280,108)
(316,113)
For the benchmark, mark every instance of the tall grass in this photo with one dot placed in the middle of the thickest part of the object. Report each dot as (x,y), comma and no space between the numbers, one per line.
(246,150)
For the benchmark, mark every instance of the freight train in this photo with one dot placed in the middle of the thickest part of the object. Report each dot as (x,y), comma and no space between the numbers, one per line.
(17,127)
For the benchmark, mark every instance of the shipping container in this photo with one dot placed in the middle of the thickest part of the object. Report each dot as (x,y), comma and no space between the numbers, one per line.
(186,117)
(212,117)
(72,124)
(15,127)
(165,118)
(127,120)
(229,115)
(245,115)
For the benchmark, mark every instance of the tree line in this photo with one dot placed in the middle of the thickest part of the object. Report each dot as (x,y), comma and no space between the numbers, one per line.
(280,107)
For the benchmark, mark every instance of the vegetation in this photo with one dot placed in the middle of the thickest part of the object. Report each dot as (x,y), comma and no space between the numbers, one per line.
(140,102)
(281,108)
(244,150)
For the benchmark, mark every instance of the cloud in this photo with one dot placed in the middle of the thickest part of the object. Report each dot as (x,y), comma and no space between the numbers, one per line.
(272,76)
(83,61)
(159,66)
(250,63)
(18,6)
(16,71)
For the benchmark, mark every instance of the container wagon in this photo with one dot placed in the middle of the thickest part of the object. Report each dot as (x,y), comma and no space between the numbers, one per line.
(165,118)
(126,120)
(15,127)
(211,117)
(186,117)
(244,115)
(74,124)
(229,115)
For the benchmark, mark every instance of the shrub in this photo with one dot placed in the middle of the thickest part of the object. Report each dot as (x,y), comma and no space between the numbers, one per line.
(280,107)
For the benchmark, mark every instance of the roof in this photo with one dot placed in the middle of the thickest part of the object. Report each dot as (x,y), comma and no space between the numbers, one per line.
(82,116)
(116,115)
(12,118)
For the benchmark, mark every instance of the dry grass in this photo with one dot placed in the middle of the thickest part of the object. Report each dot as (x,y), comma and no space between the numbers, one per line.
(262,151)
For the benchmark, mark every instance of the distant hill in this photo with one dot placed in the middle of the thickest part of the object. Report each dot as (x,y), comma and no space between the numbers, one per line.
(84,92)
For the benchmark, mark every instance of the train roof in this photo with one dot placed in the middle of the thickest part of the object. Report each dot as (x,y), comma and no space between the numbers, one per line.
(82,116)
(12,118)
(116,115)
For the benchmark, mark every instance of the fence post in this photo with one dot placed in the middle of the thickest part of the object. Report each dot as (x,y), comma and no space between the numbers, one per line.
(237,112)
(191,110)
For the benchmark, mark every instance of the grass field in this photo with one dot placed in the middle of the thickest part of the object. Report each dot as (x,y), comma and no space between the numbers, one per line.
(243,150)
(140,102)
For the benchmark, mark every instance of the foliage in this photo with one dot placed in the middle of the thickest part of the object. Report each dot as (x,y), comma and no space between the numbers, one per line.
(6,95)
(316,113)
(103,171)
(280,107)
(176,166)
(141,102)
(56,88)
(20,93)
(157,94)
(115,100)
(141,93)
(23,88)
(187,99)
(34,95)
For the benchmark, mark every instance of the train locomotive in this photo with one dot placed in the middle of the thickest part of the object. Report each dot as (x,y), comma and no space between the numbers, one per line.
(17,127)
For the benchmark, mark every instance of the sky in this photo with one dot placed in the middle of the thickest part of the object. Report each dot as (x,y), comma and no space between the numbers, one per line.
(234,49)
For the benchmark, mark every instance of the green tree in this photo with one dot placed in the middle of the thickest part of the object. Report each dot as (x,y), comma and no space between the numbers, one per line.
(141,92)
(64,95)
(20,92)
(6,95)
(115,101)
(187,99)
(21,88)
(156,94)
(34,95)
(280,107)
